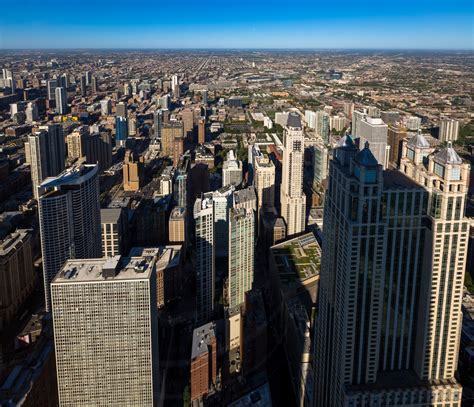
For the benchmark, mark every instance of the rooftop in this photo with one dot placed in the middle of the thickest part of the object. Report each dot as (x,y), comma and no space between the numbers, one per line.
(294,120)
(106,269)
(448,156)
(166,256)
(11,242)
(201,338)
(244,195)
(298,258)
(260,397)
(110,215)
(178,212)
(73,175)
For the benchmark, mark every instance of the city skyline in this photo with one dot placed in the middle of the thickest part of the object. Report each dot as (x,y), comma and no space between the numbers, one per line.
(243,25)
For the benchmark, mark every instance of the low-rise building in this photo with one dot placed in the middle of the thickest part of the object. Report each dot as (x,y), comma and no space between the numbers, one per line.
(203,361)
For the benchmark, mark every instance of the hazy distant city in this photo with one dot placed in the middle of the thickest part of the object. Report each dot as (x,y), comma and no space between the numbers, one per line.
(236,228)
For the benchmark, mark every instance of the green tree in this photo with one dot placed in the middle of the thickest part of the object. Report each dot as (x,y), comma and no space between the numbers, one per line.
(186,396)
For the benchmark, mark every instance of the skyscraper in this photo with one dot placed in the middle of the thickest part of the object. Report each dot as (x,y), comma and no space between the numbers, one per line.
(448,130)
(395,135)
(94,85)
(170,131)
(322,125)
(105,107)
(76,142)
(83,86)
(375,131)
(264,181)
(47,152)
(157,122)
(320,162)
(69,219)
(413,123)
(121,130)
(114,227)
(175,86)
(31,112)
(106,332)
(61,100)
(132,171)
(88,77)
(202,130)
(205,258)
(293,202)
(241,254)
(231,170)
(391,279)
(187,117)
(52,85)
(121,109)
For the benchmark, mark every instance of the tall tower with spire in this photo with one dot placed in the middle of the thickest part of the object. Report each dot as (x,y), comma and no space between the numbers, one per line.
(293,201)
(394,252)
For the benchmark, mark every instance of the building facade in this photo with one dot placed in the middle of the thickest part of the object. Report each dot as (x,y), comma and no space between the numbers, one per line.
(106,332)
(69,219)
(293,202)
(17,277)
(391,279)
(241,254)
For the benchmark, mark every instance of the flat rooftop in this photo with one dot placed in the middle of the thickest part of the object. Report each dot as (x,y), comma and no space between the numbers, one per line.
(298,258)
(110,215)
(260,397)
(95,270)
(244,195)
(12,241)
(201,338)
(395,179)
(74,175)
(166,256)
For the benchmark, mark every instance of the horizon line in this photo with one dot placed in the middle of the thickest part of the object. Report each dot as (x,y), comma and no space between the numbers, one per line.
(239,49)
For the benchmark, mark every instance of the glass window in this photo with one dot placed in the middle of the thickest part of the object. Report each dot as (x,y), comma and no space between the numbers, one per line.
(439,169)
(456,174)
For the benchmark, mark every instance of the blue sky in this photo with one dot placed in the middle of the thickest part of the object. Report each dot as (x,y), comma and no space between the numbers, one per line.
(415,24)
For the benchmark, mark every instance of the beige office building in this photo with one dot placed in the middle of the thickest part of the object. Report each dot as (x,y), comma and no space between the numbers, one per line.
(293,201)
(264,181)
(132,171)
(177,225)
(105,332)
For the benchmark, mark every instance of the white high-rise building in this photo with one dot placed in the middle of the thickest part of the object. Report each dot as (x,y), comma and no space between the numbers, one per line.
(391,280)
(310,119)
(46,150)
(61,100)
(337,123)
(205,258)
(69,219)
(375,131)
(264,181)
(106,332)
(281,118)
(106,107)
(175,86)
(31,112)
(357,117)
(241,254)
(448,130)
(413,123)
(293,201)
(231,170)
